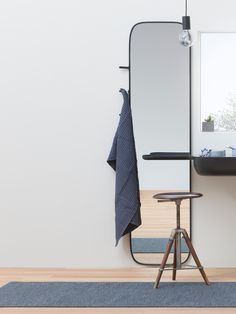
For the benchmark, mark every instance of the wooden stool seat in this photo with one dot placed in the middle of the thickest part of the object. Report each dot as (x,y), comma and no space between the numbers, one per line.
(173,196)
(175,237)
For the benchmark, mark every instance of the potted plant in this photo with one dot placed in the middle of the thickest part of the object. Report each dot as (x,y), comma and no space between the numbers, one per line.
(208,124)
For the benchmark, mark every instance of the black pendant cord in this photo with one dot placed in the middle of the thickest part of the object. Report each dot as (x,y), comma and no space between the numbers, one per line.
(186,18)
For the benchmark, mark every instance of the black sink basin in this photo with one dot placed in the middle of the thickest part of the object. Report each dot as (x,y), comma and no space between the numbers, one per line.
(215,166)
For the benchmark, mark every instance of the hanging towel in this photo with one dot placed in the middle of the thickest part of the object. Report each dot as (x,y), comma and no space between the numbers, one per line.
(122,159)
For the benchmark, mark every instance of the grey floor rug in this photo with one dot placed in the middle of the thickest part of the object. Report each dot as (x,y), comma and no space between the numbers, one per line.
(115,294)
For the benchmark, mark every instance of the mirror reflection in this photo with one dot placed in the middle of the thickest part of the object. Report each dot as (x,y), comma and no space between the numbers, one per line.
(159,80)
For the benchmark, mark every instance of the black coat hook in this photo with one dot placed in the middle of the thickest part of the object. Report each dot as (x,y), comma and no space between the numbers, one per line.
(124,67)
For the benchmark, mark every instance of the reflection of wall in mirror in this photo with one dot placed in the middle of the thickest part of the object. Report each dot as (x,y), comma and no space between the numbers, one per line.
(160,103)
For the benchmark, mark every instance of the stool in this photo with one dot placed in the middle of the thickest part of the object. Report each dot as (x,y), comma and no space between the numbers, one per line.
(175,237)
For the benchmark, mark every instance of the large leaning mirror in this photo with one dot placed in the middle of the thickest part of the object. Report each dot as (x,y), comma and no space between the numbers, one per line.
(160,102)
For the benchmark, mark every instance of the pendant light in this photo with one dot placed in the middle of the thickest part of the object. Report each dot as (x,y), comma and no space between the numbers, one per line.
(185,36)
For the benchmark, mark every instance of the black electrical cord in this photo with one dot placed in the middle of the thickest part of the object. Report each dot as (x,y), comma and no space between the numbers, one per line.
(186,18)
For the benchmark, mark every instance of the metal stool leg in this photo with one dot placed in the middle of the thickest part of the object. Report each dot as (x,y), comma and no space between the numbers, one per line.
(174,262)
(165,257)
(195,257)
(178,235)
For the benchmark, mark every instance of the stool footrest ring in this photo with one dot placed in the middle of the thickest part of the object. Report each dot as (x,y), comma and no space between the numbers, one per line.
(182,268)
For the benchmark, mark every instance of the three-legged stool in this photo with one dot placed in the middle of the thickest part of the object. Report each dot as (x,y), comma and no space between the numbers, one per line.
(175,237)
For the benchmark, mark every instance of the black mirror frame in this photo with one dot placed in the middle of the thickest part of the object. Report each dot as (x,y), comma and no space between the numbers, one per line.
(190,132)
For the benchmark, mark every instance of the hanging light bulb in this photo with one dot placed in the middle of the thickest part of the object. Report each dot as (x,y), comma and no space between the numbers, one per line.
(185,36)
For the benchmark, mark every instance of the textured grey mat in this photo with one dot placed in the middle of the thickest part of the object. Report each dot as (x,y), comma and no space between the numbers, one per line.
(115,294)
(154,245)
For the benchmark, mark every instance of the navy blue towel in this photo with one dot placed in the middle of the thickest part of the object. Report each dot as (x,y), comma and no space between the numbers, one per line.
(122,159)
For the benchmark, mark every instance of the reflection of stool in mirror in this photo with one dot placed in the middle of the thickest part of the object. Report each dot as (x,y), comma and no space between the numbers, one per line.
(175,237)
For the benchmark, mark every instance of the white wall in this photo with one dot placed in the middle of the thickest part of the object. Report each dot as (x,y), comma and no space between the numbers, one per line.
(214,215)
(59,82)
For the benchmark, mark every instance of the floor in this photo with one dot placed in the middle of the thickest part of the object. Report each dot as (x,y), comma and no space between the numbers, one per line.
(126,274)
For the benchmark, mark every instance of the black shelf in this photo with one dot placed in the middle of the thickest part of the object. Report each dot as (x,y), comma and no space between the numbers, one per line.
(168,156)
